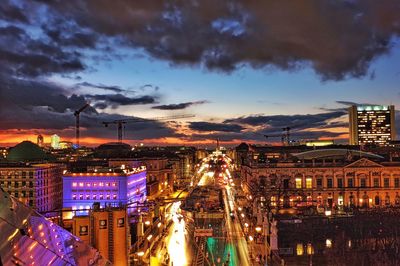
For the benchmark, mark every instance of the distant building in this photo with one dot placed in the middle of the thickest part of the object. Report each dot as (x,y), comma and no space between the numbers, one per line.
(40,141)
(38,185)
(108,186)
(55,141)
(65,145)
(371,125)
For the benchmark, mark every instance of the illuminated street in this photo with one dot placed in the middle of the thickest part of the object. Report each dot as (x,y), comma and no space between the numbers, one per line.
(169,250)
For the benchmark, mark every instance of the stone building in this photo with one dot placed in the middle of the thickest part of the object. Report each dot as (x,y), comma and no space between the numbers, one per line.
(330,178)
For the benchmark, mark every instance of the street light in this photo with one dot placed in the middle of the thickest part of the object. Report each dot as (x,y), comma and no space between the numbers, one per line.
(140,253)
(258,229)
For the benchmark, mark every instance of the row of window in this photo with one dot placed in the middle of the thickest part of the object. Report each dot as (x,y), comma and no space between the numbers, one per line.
(22,194)
(94,184)
(16,184)
(94,196)
(341,184)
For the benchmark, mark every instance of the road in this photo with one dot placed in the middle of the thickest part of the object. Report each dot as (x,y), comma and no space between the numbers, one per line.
(236,244)
(174,249)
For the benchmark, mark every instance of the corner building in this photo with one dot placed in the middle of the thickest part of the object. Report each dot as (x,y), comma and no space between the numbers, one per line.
(37,185)
(108,186)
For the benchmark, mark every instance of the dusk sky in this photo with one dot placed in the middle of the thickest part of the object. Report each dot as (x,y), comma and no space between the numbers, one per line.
(243,68)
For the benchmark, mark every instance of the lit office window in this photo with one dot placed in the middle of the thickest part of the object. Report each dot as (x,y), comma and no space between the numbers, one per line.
(74,184)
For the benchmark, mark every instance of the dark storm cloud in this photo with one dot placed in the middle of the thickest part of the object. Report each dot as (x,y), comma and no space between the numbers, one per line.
(100,86)
(31,94)
(40,105)
(79,39)
(9,11)
(277,122)
(115,100)
(208,126)
(178,106)
(338,39)
(22,56)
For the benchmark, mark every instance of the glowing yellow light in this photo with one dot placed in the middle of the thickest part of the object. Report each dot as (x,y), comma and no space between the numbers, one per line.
(140,253)
(258,229)
(13,235)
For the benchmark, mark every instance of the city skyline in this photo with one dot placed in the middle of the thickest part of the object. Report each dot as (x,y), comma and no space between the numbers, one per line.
(243,70)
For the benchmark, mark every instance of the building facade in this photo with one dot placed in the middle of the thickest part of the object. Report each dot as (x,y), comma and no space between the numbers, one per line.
(371,125)
(327,184)
(38,185)
(112,186)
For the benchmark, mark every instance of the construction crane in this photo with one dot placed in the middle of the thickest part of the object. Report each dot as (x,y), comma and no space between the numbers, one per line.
(77,114)
(285,136)
(121,122)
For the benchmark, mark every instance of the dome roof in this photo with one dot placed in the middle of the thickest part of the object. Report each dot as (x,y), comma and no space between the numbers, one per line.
(27,151)
(114,146)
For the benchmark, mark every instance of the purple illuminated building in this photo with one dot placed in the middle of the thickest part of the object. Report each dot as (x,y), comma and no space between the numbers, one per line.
(108,186)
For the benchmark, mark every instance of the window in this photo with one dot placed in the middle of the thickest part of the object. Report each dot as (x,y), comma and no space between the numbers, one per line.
(386,182)
(94,197)
(397,182)
(74,184)
(319,182)
(87,196)
(31,194)
(101,196)
(74,196)
(308,183)
(286,183)
(340,182)
(81,184)
(299,249)
(114,196)
(350,182)
(376,182)
(81,196)
(363,182)
(329,183)
(298,183)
